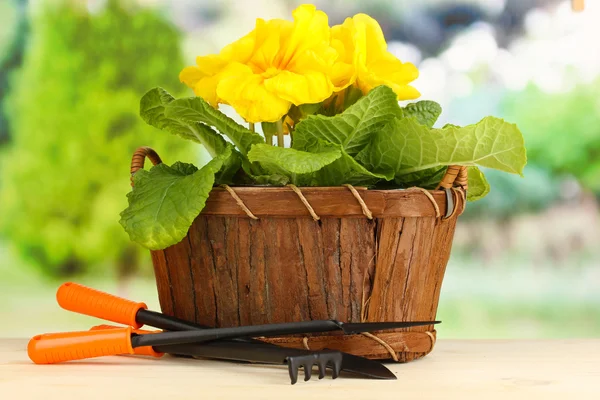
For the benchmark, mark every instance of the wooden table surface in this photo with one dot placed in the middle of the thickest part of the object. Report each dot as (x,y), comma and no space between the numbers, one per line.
(461,369)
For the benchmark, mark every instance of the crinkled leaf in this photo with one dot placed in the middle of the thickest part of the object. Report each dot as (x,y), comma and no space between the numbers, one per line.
(231,166)
(404,146)
(152,111)
(353,128)
(165,201)
(426,179)
(343,170)
(194,110)
(425,111)
(286,161)
(478,185)
(272,180)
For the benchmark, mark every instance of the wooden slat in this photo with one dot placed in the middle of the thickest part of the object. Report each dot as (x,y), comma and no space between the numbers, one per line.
(231,270)
(415,343)
(326,201)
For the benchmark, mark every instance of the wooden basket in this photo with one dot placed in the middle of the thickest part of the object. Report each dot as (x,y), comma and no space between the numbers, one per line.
(259,255)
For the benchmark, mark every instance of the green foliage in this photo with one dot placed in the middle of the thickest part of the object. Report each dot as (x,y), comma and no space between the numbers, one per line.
(479,187)
(426,112)
(195,110)
(562,130)
(166,200)
(404,146)
(13,31)
(353,128)
(512,195)
(288,162)
(73,110)
(372,141)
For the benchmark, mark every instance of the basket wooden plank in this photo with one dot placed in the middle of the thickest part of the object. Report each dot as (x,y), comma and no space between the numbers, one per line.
(326,201)
(232,270)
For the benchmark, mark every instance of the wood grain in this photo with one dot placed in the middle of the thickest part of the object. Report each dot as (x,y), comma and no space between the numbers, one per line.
(458,369)
(326,201)
(231,270)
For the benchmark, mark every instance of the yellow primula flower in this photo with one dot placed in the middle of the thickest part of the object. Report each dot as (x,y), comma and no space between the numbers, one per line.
(205,77)
(359,42)
(278,64)
(289,65)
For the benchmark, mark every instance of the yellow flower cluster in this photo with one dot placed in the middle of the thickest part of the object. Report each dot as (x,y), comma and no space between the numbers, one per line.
(283,63)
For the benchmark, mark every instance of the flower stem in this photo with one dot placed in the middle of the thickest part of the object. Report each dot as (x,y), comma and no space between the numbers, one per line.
(280,133)
(251,126)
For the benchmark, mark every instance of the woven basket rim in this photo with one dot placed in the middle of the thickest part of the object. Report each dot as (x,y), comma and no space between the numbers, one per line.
(329,201)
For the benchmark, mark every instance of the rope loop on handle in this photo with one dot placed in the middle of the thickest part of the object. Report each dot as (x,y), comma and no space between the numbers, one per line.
(456,177)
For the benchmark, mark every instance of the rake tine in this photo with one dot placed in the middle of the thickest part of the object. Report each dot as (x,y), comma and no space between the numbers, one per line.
(293,369)
(322,368)
(307,370)
(336,367)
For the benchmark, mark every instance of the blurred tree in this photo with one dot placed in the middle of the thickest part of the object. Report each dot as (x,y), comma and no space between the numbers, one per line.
(511,195)
(13,30)
(562,130)
(74,113)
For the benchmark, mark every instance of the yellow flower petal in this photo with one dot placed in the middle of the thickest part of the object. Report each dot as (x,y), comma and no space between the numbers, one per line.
(207,89)
(268,39)
(368,30)
(246,92)
(343,72)
(190,76)
(360,41)
(311,30)
(306,88)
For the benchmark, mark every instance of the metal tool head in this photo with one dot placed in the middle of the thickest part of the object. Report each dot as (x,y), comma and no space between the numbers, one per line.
(365,367)
(323,359)
(352,328)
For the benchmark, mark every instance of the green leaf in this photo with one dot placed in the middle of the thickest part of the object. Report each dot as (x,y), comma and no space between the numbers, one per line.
(404,147)
(425,111)
(478,185)
(152,111)
(271,180)
(426,179)
(353,128)
(230,168)
(286,161)
(165,201)
(343,170)
(194,110)
(269,130)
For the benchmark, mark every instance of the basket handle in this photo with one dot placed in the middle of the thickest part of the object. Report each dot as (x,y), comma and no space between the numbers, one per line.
(139,158)
(456,176)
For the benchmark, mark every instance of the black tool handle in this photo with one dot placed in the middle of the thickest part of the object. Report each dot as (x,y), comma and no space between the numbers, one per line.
(257,352)
(168,323)
(198,336)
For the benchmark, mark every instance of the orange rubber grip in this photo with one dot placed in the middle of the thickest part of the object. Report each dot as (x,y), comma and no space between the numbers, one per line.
(84,300)
(52,348)
(140,351)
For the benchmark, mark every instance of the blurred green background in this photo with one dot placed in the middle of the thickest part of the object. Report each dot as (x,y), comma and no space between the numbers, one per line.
(525,262)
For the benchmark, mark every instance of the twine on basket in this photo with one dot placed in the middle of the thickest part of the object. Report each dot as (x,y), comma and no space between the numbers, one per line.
(304,201)
(431,199)
(432,337)
(239,201)
(360,200)
(305,342)
(379,340)
(385,345)
(463,198)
